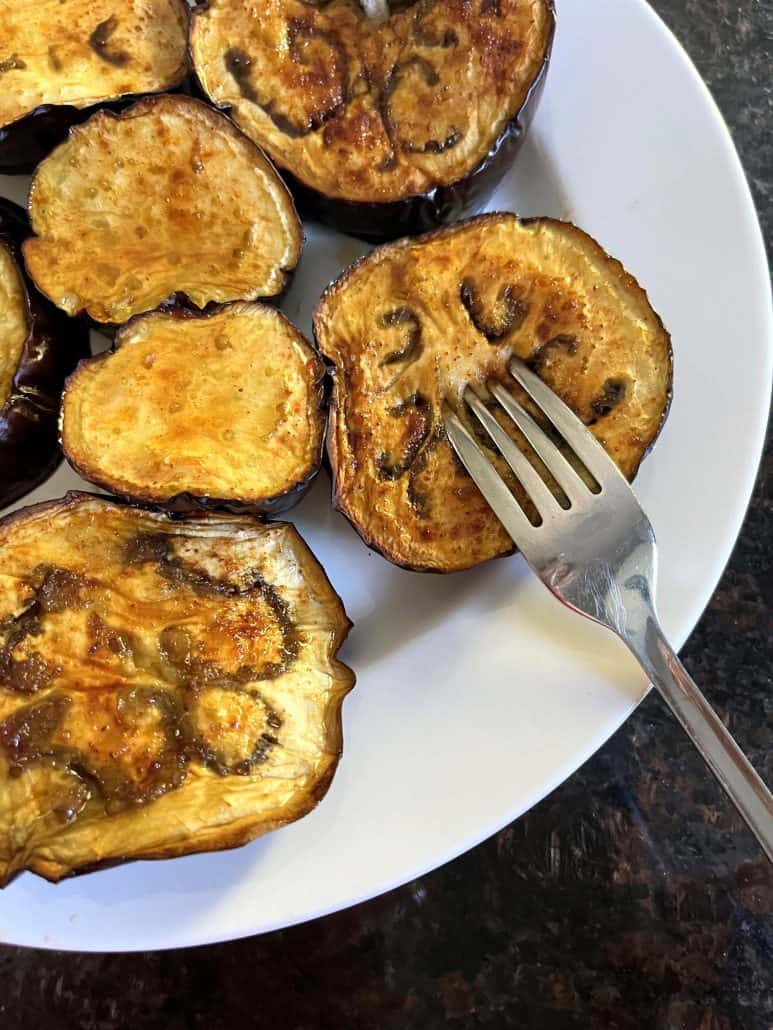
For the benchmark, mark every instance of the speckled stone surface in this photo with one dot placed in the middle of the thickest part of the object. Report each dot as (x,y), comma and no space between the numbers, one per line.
(626,900)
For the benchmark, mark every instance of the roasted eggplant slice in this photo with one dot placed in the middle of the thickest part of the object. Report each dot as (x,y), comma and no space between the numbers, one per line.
(167,685)
(60,57)
(410,324)
(166,199)
(222,410)
(391,118)
(39,346)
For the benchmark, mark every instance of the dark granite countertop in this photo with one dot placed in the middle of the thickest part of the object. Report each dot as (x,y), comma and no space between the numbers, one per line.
(624,901)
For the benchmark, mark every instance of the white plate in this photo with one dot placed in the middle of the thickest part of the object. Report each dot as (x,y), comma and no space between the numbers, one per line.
(477,693)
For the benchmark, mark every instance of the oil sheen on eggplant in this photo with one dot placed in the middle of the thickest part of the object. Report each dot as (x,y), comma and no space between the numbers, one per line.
(39,346)
(219,410)
(389,117)
(410,324)
(165,200)
(59,57)
(167,686)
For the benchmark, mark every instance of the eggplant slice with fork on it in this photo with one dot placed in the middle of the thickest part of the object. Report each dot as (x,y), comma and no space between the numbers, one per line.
(60,58)
(408,326)
(390,117)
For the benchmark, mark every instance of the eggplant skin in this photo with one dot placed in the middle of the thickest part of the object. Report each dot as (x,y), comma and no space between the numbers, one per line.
(408,326)
(140,247)
(29,447)
(23,144)
(181,401)
(31,128)
(167,685)
(397,213)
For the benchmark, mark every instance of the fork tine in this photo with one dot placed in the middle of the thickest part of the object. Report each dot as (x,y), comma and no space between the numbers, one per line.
(580,439)
(560,469)
(488,481)
(530,480)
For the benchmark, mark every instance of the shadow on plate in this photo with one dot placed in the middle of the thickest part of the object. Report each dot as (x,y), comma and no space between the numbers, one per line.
(325,255)
(533,186)
(15,188)
(390,607)
(409,605)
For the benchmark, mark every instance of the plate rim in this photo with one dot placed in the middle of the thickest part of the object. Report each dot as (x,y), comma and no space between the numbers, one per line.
(197,936)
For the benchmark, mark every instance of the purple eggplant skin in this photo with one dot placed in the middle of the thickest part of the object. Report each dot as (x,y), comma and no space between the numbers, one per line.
(23,144)
(29,445)
(381,223)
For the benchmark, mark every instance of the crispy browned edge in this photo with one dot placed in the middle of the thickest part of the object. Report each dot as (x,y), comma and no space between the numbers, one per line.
(379,222)
(339,284)
(178,298)
(186,502)
(26,140)
(218,838)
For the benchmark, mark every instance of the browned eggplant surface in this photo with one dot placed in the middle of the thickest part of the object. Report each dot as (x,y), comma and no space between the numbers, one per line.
(39,346)
(223,410)
(167,685)
(167,199)
(60,56)
(409,325)
(376,103)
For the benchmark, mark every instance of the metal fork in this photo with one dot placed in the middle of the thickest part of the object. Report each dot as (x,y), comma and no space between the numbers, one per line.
(598,556)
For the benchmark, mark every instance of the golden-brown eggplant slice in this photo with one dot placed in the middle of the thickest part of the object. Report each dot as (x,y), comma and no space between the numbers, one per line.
(391,118)
(39,346)
(167,685)
(222,410)
(409,325)
(168,198)
(58,57)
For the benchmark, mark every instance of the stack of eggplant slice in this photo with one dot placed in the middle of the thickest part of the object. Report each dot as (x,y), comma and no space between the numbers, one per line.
(169,680)
(168,684)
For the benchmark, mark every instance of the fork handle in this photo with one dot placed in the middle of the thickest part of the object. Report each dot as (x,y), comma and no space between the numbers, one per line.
(706,730)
